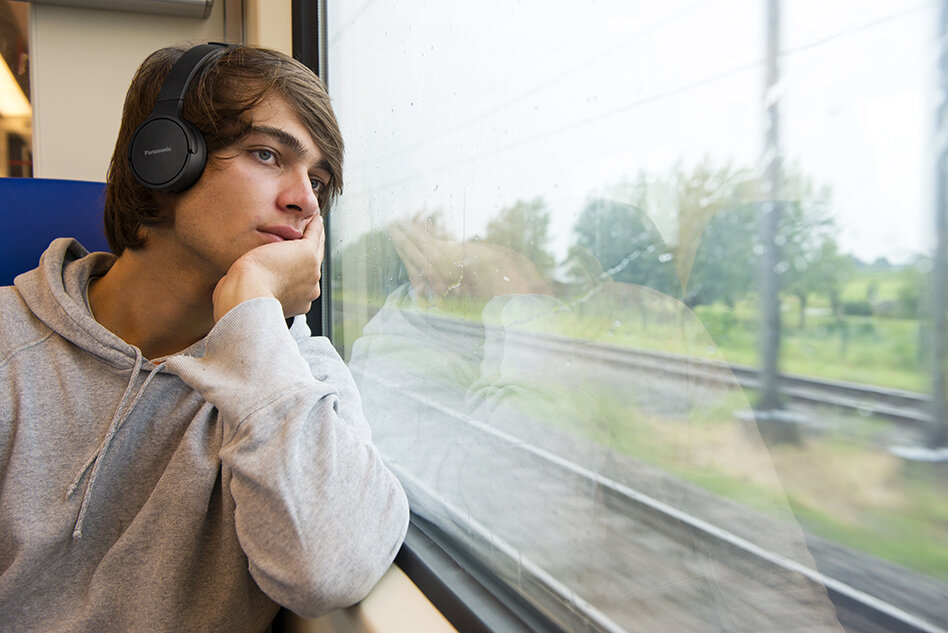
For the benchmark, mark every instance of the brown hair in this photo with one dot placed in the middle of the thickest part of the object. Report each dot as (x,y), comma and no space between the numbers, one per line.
(234,80)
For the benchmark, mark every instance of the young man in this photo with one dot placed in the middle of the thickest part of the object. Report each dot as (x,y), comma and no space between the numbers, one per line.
(173,457)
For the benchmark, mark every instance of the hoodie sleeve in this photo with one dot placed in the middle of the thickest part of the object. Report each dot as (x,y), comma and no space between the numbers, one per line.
(318,514)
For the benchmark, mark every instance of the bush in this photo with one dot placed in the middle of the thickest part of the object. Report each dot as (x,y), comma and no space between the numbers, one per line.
(857,308)
(718,324)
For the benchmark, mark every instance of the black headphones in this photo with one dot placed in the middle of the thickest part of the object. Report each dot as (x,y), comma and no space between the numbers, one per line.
(167,153)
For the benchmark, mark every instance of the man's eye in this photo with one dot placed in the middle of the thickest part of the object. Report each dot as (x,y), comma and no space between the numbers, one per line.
(317,185)
(264,154)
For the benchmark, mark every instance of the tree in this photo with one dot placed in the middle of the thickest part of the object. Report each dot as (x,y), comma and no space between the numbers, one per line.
(725,261)
(524,228)
(626,244)
(823,273)
(701,195)
(809,261)
(913,282)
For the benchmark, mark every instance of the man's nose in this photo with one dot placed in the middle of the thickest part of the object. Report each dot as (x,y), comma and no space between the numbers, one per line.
(297,195)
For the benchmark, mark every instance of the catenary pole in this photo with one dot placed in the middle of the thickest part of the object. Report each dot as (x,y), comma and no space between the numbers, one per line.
(939,434)
(769,341)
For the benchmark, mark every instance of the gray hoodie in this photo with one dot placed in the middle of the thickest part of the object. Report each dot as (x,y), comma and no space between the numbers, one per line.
(189,493)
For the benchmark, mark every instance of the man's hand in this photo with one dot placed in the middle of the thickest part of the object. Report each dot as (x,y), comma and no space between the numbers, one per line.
(288,271)
(471,269)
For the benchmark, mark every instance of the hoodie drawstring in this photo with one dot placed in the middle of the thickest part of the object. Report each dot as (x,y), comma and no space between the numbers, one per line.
(118,418)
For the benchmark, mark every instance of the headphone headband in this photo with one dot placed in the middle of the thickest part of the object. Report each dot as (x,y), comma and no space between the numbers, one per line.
(167,152)
(182,72)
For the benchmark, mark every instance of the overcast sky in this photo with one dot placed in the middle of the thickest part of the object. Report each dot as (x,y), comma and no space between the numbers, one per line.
(471,105)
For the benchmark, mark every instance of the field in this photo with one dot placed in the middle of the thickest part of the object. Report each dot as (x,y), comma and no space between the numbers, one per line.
(841,483)
(888,351)
(879,351)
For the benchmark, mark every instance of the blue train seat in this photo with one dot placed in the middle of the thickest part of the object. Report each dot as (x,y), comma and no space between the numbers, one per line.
(35,211)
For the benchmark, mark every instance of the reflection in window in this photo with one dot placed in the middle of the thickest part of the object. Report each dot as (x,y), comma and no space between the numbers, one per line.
(15,110)
(639,298)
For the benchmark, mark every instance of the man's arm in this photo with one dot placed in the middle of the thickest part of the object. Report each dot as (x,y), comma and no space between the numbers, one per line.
(318,514)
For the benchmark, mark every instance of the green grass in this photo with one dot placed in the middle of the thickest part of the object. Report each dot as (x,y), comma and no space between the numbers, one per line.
(886,352)
(912,540)
(870,350)
(886,283)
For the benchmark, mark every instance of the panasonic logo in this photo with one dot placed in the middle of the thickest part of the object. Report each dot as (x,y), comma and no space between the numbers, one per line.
(160,150)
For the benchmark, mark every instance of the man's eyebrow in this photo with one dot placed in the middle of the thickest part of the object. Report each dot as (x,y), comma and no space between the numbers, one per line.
(291,142)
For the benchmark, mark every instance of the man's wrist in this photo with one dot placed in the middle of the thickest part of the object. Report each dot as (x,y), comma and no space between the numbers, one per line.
(233,290)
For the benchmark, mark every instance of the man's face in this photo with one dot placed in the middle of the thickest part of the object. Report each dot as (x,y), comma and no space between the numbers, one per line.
(261,190)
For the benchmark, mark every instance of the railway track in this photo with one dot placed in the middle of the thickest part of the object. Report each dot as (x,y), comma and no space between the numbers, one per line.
(603,542)
(898,406)
(655,565)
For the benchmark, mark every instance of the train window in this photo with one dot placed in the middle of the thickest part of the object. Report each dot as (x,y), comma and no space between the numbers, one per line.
(15,110)
(647,300)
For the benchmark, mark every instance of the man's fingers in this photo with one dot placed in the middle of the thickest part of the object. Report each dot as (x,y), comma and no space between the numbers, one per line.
(313,227)
(315,233)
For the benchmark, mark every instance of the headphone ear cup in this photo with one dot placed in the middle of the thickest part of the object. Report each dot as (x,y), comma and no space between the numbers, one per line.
(197,158)
(167,154)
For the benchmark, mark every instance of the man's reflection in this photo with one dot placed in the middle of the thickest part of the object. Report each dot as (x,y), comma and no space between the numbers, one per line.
(478,339)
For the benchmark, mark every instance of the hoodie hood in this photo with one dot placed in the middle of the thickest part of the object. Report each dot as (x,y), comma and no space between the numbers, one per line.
(55,293)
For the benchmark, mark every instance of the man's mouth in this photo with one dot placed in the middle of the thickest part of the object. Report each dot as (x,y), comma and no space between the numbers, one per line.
(284,232)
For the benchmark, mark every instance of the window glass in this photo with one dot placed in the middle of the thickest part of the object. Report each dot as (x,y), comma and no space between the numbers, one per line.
(16,113)
(640,299)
